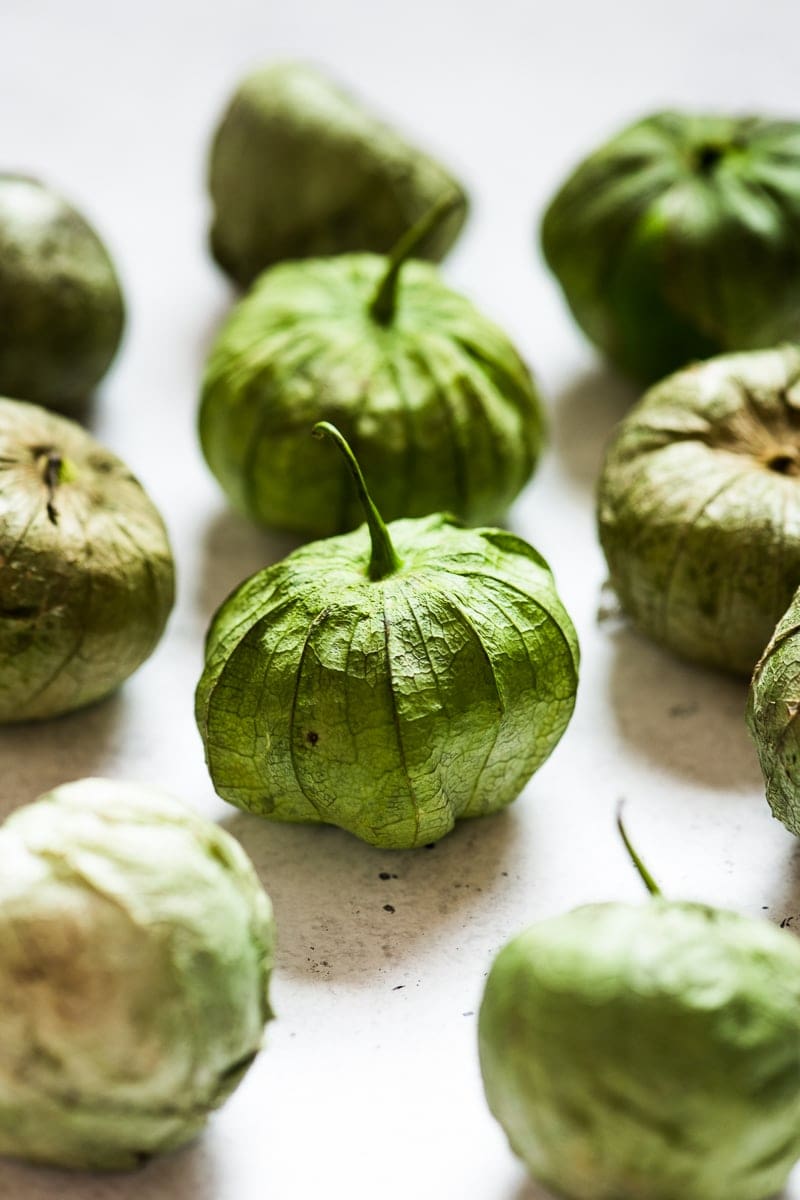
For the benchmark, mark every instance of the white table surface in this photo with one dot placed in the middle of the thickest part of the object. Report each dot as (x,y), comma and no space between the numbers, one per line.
(368,1088)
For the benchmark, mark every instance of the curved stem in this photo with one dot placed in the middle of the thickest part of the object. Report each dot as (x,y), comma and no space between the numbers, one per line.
(383,560)
(646,877)
(384,301)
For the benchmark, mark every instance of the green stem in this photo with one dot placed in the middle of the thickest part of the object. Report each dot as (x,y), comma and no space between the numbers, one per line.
(646,877)
(383,560)
(384,302)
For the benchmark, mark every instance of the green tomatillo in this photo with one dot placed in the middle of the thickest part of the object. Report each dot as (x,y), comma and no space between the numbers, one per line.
(647,1052)
(772,711)
(389,681)
(699,506)
(135,952)
(680,238)
(61,307)
(86,571)
(300,168)
(437,403)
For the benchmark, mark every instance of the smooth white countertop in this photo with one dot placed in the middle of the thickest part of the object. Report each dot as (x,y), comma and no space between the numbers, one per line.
(368,1088)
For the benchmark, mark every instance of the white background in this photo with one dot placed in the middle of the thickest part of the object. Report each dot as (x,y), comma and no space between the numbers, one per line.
(369,1086)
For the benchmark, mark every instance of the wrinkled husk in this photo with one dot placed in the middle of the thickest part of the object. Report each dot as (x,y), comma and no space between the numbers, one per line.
(299,168)
(86,571)
(647,1053)
(773,705)
(680,238)
(135,951)
(437,404)
(699,507)
(389,708)
(61,307)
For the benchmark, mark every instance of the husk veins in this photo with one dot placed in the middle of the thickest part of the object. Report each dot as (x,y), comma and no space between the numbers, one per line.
(680,239)
(437,405)
(390,703)
(86,572)
(699,507)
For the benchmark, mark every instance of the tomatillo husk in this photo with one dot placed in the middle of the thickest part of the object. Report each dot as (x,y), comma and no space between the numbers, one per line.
(680,239)
(87,578)
(136,946)
(61,307)
(437,403)
(699,507)
(300,168)
(647,1052)
(389,681)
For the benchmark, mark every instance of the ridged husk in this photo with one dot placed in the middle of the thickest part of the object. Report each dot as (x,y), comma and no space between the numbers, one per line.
(773,705)
(61,307)
(699,507)
(680,238)
(300,168)
(390,708)
(647,1053)
(86,571)
(438,406)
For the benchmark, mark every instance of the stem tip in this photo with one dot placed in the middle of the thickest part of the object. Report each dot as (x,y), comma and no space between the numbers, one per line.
(383,559)
(644,874)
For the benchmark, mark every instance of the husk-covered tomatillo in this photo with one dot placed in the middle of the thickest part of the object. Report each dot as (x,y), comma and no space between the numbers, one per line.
(300,168)
(699,506)
(438,405)
(389,681)
(86,572)
(135,952)
(647,1052)
(61,307)
(680,238)
(772,710)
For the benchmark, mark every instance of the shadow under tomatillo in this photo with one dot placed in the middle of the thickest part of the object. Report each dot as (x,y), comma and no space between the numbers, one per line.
(687,719)
(584,413)
(348,910)
(39,755)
